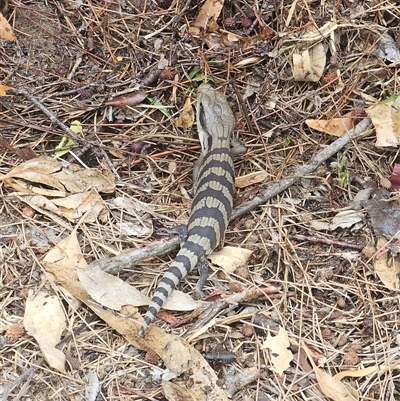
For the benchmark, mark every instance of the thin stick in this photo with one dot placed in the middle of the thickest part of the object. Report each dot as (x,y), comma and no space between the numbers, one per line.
(48,113)
(67,130)
(170,22)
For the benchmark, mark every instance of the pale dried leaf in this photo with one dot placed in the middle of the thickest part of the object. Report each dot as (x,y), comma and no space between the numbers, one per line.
(186,118)
(176,356)
(335,126)
(247,62)
(6,31)
(93,386)
(331,387)
(313,34)
(175,391)
(387,267)
(60,176)
(4,88)
(72,207)
(387,49)
(250,179)
(346,219)
(385,117)
(279,352)
(182,302)
(75,206)
(65,257)
(110,291)
(221,41)
(357,372)
(309,65)
(45,321)
(229,258)
(132,229)
(210,10)
(114,293)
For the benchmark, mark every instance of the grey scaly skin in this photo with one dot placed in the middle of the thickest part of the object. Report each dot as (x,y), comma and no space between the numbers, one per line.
(213,180)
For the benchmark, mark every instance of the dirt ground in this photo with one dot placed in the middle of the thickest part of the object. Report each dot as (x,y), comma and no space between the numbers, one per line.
(313,311)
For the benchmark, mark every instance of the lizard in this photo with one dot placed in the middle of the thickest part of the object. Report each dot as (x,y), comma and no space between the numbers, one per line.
(213,188)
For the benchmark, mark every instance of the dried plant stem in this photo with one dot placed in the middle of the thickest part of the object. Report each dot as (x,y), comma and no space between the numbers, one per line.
(131,258)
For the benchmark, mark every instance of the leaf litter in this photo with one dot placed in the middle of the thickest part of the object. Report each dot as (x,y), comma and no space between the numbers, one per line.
(323,296)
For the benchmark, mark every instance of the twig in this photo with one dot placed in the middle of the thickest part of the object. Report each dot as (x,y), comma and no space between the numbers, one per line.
(327,241)
(132,258)
(171,21)
(48,113)
(67,130)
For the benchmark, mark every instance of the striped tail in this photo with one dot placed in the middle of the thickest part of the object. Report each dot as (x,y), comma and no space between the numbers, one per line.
(185,261)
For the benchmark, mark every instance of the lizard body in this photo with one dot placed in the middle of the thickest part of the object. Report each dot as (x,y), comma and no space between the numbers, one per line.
(213,180)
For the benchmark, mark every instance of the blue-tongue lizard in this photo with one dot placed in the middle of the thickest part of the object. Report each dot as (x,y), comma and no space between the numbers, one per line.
(213,181)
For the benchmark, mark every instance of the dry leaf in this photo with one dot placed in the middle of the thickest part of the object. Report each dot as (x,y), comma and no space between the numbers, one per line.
(210,10)
(75,190)
(344,219)
(186,119)
(387,267)
(4,88)
(6,31)
(60,176)
(92,387)
(72,207)
(313,34)
(131,99)
(110,291)
(251,179)
(45,321)
(229,258)
(387,49)
(220,41)
(279,352)
(248,61)
(309,65)
(174,391)
(182,302)
(356,372)
(65,257)
(330,386)
(131,229)
(75,206)
(334,126)
(113,293)
(176,356)
(385,117)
